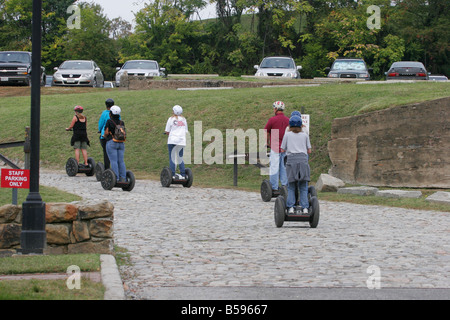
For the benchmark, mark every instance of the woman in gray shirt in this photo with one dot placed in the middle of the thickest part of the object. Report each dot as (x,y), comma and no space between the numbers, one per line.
(297,146)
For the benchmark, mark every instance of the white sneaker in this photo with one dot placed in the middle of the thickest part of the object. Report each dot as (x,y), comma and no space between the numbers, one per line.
(291,210)
(305,211)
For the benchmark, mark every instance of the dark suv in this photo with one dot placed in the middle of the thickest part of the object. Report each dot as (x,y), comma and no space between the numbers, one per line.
(349,68)
(15,68)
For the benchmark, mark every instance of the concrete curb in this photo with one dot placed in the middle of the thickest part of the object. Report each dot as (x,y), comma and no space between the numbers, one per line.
(111,278)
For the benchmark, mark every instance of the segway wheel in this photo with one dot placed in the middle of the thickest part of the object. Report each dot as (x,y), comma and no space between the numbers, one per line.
(109,179)
(266,191)
(131,180)
(312,192)
(99,168)
(284,192)
(190,178)
(166,177)
(91,163)
(279,211)
(314,207)
(71,167)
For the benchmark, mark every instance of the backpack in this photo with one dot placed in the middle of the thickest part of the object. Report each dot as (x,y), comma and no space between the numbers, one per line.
(120,134)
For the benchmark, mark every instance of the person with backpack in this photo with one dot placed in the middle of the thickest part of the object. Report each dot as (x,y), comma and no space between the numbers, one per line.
(115,136)
(80,139)
(176,129)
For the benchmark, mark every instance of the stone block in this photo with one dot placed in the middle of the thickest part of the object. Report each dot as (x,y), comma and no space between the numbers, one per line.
(9,213)
(328,183)
(362,191)
(105,247)
(57,233)
(60,212)
(9,235)
(80,231)
(439,197)
(399,194)
(101,228)
(93,210)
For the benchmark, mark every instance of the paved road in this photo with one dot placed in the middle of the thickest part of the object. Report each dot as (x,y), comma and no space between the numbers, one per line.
(223,244)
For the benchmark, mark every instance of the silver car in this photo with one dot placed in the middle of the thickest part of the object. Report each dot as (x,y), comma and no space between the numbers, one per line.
(278,67)
(78,73)
(145,68)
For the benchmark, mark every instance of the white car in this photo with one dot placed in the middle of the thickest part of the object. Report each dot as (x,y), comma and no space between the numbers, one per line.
(78,73)
(283,67)
(145,68)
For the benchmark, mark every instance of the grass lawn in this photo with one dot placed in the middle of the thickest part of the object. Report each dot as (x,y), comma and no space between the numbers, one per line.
(49,289)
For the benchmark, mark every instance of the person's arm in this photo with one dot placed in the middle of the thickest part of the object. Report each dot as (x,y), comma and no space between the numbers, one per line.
(74,119)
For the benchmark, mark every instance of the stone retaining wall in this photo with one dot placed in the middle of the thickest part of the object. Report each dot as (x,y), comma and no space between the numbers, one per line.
(81,227)
(406,146)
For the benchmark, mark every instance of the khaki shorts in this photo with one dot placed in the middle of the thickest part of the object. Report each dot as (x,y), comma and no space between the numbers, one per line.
(80,145)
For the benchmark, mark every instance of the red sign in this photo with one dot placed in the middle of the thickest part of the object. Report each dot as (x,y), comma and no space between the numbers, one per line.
(15,178)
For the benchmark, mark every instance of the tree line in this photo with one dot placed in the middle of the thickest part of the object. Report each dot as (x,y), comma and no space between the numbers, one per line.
(313,32)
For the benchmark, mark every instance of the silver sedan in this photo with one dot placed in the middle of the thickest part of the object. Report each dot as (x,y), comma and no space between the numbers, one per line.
(78,73)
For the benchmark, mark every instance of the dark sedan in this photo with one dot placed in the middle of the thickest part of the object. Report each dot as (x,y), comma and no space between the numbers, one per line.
(407,70)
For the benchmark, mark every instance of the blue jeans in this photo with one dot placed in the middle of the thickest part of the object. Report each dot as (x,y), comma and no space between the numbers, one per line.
(277,169)
(303,192)
(176,158)
(116,151)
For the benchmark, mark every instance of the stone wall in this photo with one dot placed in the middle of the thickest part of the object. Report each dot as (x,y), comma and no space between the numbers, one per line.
(82,227)
(406,146)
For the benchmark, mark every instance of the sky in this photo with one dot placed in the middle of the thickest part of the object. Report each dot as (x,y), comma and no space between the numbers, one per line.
(126,9)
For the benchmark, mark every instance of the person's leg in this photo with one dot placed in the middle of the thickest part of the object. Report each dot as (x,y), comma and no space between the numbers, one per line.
(112,154)
(105,154)
(303,190)
(283,175)
(180,161)
(121,162)
(84,152)
(172,158)
(291,194)
(274,169)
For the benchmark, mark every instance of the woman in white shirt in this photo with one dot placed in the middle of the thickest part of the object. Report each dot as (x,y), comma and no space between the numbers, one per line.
(176,129)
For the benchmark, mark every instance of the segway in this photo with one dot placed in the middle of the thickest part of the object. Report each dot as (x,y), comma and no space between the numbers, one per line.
(99,168)
(109,181)
(167,179)
(72,167)
(267,193)
(281,215)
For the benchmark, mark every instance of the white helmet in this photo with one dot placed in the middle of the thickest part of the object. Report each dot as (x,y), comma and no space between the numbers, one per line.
(115,110)
(279,105)
(177,110)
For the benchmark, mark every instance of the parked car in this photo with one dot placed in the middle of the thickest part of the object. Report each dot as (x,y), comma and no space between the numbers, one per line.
(145,68)
(284,67)
(108,84)
(437,78)
(349,68)
(15,68)
(78,73)
(407,70)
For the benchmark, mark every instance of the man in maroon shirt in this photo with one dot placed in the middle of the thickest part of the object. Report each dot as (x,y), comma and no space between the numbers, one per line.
(276,128)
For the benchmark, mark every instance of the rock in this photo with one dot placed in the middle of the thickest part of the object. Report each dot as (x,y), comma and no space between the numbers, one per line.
(9,235)
(328,183)
(439,197)
(105,247)
(96,210)
(57,234)
(60,212)
(9,213)
(101,228)
(399,194)
(362,191)
(80,231)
